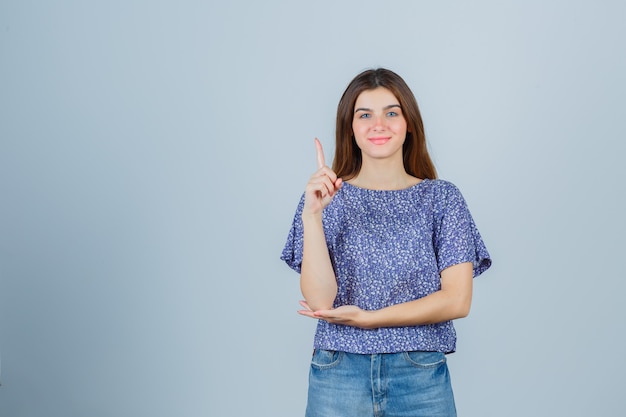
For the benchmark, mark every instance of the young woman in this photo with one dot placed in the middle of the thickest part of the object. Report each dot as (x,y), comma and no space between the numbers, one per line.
(386,255)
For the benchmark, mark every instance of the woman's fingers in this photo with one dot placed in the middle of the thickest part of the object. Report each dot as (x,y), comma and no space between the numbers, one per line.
(321,165)
(322,183)
(323,192)
(320,154)
(327,173)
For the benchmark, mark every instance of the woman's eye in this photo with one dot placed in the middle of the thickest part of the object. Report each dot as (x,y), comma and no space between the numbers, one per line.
(365,116)
(392,114)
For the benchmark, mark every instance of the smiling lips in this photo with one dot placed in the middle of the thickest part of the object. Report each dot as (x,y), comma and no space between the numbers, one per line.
(380,140)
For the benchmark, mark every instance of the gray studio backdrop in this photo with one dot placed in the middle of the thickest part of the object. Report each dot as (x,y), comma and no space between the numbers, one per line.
(152,155)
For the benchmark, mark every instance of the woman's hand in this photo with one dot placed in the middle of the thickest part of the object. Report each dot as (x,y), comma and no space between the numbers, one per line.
(322,185)
(344,315)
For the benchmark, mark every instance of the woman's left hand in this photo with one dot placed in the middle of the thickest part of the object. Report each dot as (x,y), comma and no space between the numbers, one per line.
(346,315)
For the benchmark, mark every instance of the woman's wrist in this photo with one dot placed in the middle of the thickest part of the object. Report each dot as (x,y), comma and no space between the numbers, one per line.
(311,218)
(368,319)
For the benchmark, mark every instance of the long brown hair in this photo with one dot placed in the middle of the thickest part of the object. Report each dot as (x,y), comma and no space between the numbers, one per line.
(348,159)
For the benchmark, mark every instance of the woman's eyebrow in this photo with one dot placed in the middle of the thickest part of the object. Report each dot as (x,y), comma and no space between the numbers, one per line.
(384,108)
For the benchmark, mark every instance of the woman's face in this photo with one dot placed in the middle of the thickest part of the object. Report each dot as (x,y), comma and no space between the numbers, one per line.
(378,124)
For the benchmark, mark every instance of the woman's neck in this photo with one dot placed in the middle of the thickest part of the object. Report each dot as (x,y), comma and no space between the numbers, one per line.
(382,176)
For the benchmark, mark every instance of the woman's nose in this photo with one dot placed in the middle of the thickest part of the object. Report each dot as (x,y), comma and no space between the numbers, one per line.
(379,122)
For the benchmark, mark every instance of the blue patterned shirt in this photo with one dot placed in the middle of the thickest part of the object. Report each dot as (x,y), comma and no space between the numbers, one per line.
(389,247)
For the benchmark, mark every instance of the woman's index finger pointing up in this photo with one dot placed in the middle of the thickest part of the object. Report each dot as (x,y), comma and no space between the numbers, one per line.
(320,154)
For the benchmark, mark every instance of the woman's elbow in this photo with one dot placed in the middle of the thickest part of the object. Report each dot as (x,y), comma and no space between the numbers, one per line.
(463,312)
(319,299)
(463,308)
(317,306)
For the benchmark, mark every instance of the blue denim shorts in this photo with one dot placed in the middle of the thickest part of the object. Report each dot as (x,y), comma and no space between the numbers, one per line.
(406,384)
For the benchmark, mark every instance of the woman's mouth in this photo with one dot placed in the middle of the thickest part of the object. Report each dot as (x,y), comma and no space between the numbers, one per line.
(381,140)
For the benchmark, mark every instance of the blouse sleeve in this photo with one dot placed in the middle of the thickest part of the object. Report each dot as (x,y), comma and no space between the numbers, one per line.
(292,252)
(456,238)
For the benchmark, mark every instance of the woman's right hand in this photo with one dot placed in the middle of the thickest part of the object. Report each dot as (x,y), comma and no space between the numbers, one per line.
(321,187)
